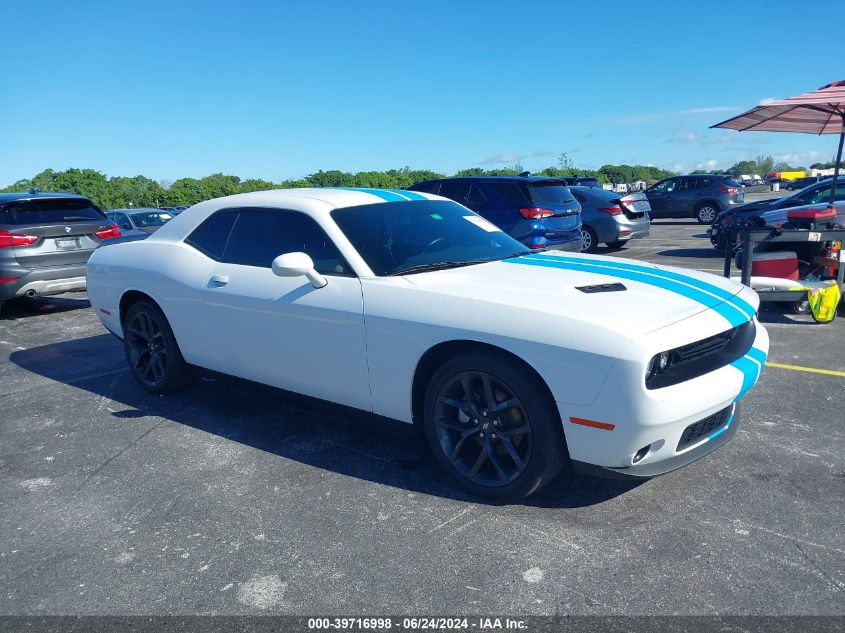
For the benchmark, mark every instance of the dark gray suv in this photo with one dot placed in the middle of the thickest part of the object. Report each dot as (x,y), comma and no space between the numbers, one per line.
(46,240)
(702,197)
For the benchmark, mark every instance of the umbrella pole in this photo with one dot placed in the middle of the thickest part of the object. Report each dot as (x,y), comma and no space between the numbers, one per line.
(838,163)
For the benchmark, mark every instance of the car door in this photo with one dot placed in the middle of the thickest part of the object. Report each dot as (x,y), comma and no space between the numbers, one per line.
(660,198)
(683,199)
(281,330)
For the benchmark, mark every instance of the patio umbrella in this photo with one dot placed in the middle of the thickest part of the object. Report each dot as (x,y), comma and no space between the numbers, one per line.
(819,112)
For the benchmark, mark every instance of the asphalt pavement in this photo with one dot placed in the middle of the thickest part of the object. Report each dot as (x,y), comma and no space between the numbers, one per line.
(234,498)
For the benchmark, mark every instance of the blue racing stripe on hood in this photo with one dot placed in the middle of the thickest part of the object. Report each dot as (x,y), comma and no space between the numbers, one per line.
(757,355)
(730,312)
(668,274)
(750,373)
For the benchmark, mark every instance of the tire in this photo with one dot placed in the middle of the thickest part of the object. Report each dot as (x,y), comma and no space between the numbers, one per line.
(800,307)
(502,455)
(706,213)
(618,244)
(589,240)
(151,350)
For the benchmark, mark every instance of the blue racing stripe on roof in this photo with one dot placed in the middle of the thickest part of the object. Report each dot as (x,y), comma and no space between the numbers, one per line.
(387,196)
(730,312)
(412,195)
(668,274)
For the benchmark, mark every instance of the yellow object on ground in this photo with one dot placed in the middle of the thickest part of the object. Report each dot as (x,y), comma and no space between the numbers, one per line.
(823,302)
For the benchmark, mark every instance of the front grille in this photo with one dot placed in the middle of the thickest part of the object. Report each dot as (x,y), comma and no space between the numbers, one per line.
(697,430)
(704,347)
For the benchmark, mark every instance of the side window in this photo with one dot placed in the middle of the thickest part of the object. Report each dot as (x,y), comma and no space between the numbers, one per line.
(704,183)
(822,194)
(456,190)
(510,191)
(122,221)
(211,236)
(476,197)
(667,186)
(432,186)
(261,235)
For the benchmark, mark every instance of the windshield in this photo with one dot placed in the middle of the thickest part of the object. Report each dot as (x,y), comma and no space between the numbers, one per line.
(551,192)
(395,237)
(151,218)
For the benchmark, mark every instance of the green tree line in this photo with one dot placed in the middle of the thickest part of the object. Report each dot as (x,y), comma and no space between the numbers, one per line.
(119,192)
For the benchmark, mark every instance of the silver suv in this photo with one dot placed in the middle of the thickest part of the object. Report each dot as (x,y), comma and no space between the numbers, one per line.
(46,240)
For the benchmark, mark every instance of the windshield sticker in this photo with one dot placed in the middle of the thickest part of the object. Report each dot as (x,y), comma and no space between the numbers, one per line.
(482,223)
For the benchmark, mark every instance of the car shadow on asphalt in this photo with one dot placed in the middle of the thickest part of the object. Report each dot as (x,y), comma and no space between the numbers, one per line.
(313,432)
(24,307)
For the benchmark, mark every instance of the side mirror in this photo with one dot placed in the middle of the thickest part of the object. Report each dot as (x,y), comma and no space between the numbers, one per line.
(297,265)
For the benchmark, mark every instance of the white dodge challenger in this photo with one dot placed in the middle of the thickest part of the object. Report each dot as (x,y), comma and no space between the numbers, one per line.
(413,307)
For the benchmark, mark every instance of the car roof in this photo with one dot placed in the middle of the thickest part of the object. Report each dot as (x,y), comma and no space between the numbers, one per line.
(316,202)
(39,195)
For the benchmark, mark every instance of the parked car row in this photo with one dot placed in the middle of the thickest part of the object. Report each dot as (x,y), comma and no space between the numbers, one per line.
(771,211)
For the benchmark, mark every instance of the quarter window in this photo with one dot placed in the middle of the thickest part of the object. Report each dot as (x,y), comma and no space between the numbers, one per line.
(211,236)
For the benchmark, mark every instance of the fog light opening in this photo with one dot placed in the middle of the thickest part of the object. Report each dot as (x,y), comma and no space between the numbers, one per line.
(640,454)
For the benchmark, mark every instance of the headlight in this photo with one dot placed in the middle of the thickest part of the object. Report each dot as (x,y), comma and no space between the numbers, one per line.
(658,364)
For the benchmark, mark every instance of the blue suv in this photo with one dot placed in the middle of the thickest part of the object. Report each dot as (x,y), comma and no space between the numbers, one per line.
(538,211)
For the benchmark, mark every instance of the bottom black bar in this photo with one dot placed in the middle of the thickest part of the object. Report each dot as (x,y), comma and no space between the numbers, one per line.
(294,624)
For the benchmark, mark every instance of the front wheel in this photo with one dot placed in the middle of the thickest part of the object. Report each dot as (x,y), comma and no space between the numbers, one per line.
(706,214)
(151,350)
(492,428)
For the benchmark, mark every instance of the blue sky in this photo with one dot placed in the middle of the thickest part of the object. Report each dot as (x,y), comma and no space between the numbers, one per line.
(277,90)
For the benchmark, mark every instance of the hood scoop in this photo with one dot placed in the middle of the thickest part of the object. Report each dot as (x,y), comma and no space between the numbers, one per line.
(615,287)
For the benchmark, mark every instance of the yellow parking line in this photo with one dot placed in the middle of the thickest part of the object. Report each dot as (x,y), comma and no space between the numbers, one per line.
(812,370)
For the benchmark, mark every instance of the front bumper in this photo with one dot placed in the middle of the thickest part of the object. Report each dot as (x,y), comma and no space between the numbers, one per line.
(648,470)
(42,281)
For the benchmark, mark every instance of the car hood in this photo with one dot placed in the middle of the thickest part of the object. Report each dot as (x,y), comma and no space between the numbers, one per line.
(578,287)
(751,206)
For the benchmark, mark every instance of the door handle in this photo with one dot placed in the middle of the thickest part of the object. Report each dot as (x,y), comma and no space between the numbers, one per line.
(218,280)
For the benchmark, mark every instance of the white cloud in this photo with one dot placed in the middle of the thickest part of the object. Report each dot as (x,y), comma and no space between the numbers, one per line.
(691,138)
(541,152)
(766,101)
(797,157)
(660,116)
(503,157)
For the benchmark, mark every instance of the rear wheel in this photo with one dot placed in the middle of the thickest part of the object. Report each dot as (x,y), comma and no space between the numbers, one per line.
(589,239)
(151,350)
(492,428)
(706,213)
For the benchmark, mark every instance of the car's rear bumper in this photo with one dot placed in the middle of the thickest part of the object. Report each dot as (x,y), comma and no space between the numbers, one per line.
(653,469)
(41,281)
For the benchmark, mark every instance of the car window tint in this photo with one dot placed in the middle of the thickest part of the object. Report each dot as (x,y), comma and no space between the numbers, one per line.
(122,221)
(211,236)
(57,211)
(510,191)
(261,235)
(703,183)
(579,197)
(667,186)
(455,190)
(550,192)
(476,197)
(685,184)
(428,187)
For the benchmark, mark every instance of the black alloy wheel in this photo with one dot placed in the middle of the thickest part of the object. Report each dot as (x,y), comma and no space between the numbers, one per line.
(493,426)
(151,350)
